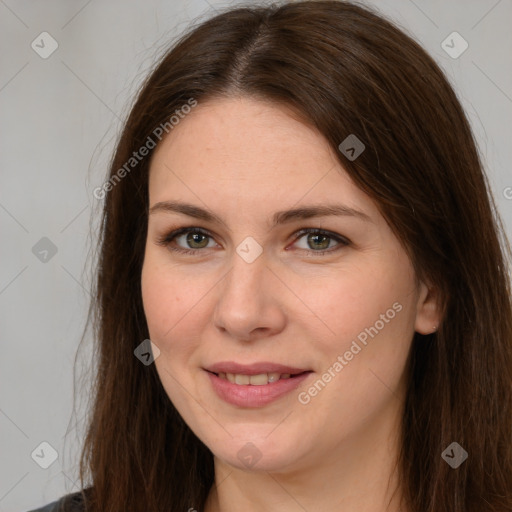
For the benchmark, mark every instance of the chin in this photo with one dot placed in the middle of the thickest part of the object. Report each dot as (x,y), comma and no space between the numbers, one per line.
(259,454)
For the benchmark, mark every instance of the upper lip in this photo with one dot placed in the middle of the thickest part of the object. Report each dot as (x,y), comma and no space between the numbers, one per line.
(252,369)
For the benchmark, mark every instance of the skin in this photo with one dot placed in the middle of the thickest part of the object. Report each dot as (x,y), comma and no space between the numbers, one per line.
(245,159)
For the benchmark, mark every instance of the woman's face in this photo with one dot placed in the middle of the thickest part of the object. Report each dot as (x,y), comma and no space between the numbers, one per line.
(254,290)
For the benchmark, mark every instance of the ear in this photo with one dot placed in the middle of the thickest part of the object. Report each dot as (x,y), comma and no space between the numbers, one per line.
(428,315)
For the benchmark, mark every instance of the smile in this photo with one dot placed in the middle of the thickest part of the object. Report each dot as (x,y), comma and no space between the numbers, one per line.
(254,380)
(256,390)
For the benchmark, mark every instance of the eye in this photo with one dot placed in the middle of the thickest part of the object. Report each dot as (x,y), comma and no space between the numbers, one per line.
(194,236)
(321,239)
(197,238)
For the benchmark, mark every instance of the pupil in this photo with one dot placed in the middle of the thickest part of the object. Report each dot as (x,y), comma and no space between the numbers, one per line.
(191,237)
(321,236)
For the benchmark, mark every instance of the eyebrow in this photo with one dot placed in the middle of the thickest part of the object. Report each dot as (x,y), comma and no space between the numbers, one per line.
(280,217)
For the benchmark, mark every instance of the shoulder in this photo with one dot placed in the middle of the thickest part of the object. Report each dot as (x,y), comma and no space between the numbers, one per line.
(73,502)
(51,507)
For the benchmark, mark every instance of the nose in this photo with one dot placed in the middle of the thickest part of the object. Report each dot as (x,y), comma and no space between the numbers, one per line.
(250,300)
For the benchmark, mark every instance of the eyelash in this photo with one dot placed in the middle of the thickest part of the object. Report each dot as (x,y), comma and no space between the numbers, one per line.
(166,239)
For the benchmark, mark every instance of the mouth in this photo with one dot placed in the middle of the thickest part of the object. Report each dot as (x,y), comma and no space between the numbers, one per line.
(259,379)
(256,384)
(256,390)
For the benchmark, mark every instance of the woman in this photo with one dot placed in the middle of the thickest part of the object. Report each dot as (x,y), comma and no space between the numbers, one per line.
(296,216)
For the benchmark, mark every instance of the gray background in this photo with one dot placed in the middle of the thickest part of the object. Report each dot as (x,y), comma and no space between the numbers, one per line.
(60,118)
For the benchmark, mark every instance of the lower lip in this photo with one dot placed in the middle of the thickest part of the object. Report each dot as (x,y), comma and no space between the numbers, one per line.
(254,396)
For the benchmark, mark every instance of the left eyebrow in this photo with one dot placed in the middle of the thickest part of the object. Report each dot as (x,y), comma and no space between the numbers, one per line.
(280,217)
(323,210)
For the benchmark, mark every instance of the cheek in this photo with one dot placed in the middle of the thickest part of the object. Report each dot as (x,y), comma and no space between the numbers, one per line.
(170,327)
(157,301)
(166,300)
(176,312)
(356,299)
(369,318)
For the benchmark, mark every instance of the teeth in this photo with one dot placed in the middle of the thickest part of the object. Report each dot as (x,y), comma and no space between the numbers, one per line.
(242,379)
(254,380)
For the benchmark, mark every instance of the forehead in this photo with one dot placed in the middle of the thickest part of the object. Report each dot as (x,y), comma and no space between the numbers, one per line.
(250,153)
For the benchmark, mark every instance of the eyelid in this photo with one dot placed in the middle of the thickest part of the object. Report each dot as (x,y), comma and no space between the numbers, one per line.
(166,239)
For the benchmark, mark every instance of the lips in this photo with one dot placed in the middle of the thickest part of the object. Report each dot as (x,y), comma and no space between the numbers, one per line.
(253,369)
(255,384)
(258,395)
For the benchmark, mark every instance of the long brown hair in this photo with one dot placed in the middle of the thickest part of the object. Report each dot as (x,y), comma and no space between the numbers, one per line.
(345,70)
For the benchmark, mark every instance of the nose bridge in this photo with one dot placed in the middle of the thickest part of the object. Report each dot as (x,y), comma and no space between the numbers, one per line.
(245,302)
(248,269)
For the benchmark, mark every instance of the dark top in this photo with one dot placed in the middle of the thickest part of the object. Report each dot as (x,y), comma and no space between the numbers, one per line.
(69,503)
